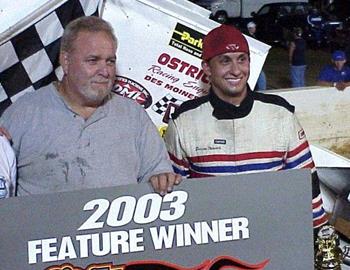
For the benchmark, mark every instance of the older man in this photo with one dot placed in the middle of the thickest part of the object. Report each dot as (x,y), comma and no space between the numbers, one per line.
(76,133)
(234,130)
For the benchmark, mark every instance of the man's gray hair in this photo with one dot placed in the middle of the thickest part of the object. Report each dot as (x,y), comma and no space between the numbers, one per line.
(85,24)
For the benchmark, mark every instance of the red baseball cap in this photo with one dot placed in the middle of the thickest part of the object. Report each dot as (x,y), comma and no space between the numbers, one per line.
(223,39)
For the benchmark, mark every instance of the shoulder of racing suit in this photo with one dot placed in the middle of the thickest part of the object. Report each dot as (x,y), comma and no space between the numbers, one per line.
(273,99)
(253,96)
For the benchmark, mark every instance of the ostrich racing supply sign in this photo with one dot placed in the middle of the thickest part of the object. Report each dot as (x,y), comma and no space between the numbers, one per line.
(256,221)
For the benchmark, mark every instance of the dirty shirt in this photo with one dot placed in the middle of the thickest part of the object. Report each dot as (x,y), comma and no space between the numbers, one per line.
(57,150)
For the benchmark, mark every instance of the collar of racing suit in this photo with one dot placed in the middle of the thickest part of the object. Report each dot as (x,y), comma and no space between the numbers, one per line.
(224,110)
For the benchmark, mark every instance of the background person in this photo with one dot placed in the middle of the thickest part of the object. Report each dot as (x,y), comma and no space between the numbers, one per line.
(251,27)
(77,134)
(314,18)
(234,130)
(297,48)
(336,74)
(315,26)
(261,82)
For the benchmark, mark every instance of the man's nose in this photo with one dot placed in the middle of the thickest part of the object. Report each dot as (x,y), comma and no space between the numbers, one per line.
(103,69)
(235,68)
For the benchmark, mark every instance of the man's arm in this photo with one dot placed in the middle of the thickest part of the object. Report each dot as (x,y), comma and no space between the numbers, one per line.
(299,156)
(346,82)
(175,150)
(338,85)
(155,163)
(8,169)
(325,83)
(4,132)
(291,50)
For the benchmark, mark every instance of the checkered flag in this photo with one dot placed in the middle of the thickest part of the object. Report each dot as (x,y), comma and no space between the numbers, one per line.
(29,58)
(161,105)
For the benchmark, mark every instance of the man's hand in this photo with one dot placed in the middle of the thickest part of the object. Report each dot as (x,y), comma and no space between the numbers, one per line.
(340,86)
(164,182)
(4,132)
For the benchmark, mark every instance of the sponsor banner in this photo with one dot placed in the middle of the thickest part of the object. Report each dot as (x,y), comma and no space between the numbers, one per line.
(187,40)
(161,52)
(133,90)
(255,221)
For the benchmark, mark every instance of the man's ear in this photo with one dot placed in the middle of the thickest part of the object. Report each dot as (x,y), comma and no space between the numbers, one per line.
(206,68)
(64,62)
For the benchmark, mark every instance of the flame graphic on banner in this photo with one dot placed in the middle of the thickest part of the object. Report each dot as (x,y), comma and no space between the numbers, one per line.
(218,263)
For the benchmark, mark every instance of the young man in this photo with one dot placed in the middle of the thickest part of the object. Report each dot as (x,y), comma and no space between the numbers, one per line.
(337,74)
(233,130)
(77,134)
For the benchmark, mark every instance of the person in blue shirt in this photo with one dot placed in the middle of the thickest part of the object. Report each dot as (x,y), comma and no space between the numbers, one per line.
(314,19)
(337,74)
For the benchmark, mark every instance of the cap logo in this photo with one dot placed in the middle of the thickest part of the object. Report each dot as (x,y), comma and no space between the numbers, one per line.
(224,39)
(232,47)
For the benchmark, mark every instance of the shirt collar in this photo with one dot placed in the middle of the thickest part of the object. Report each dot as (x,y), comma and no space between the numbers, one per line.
(100,112)
(224,110)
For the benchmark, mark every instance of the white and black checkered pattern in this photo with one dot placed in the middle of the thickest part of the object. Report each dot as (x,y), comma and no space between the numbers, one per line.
(30,58)
(161,105)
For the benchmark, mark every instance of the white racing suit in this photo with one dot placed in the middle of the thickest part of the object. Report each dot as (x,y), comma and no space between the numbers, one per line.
(209,137)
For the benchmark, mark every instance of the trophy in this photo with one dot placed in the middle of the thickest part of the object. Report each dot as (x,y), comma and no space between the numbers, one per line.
(328,254)
(346,255)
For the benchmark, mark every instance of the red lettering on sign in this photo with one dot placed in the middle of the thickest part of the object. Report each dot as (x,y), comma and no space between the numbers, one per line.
(182,67)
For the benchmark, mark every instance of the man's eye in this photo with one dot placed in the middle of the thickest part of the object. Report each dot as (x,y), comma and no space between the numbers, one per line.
(246,58)
(92,61)
(243,59)
(111,62)
(225,61)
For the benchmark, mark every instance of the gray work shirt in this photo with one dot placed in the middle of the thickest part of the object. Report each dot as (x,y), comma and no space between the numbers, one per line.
(57,150)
